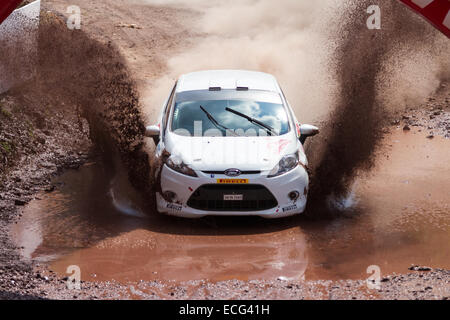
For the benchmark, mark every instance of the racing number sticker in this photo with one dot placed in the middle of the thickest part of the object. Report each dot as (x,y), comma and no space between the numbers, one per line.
(233,181)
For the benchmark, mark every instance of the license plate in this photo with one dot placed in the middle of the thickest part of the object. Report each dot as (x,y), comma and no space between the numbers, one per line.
(233,197)
(232,181)
(289,208)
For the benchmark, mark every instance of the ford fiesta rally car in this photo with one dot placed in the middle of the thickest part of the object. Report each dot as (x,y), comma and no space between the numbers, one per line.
(228,143)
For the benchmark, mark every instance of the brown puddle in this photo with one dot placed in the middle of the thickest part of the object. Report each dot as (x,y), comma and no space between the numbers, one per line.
(403,214)
(399,215)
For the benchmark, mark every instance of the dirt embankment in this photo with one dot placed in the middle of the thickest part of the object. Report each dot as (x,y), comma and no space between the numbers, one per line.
(81,95)
(36,142)
(76,72)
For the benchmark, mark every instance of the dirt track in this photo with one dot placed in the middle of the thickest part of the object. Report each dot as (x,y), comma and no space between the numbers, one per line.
(146,47)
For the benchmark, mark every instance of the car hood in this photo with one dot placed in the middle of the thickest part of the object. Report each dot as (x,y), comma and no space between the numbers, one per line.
(243,153)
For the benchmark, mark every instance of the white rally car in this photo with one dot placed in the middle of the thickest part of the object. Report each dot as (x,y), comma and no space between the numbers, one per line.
(228,143)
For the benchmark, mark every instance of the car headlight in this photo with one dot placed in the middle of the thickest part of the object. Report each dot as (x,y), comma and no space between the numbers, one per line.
(287,163)
(175,163)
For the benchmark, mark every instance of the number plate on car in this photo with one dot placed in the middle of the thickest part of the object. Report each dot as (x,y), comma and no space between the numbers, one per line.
(233,197)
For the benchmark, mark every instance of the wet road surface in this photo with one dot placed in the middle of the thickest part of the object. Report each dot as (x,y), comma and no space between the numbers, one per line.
(398,214)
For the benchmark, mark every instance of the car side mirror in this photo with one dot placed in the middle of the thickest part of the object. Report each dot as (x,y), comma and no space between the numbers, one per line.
(307,130)
(153,132)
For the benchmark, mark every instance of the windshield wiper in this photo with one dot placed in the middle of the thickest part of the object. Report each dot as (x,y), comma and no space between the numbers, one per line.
(268,128)
(215,122)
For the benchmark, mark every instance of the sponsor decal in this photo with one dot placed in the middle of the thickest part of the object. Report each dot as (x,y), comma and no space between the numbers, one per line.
(282,144)
(174,206)
(290,208)
(232,181)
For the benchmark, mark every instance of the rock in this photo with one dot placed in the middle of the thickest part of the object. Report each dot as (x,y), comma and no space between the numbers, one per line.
(128,25)
(406,128)
(430,136)
(40,140)
(47,165)
(424,269)
(419,268)
(20,202)
(50,189)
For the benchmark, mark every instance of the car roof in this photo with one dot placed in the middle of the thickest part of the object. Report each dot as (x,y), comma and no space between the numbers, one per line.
(227,79)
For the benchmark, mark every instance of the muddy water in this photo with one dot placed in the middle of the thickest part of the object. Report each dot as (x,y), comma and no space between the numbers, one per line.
(398,214)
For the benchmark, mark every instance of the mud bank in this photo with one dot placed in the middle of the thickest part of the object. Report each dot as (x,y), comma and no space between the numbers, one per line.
(37,143)
(81,96)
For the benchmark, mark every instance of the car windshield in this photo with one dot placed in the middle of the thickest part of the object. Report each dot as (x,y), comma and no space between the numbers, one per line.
(212,117)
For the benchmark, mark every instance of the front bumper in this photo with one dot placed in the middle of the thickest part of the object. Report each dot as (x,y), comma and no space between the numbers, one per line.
(184,186)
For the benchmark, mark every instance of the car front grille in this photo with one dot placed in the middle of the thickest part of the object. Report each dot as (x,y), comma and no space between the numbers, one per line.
(242,172)
(210,197)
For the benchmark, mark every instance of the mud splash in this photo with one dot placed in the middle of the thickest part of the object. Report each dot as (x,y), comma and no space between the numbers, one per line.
(334,70)
(365,101)
(77,71)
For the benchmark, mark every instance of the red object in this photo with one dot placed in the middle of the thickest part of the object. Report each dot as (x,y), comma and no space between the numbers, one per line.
(6,7)
(437,12)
